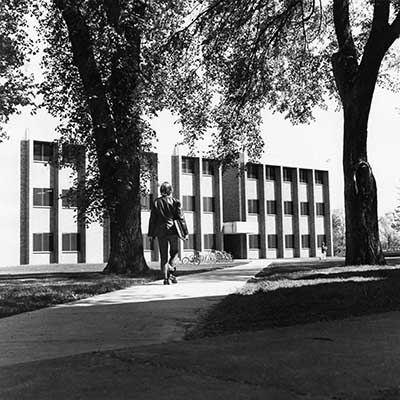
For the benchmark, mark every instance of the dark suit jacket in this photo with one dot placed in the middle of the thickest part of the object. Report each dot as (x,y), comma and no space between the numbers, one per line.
(165,209)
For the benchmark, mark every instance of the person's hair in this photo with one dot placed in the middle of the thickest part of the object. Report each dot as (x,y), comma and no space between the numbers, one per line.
(166,188)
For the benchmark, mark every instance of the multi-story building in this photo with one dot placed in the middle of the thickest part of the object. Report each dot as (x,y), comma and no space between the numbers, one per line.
(252,211)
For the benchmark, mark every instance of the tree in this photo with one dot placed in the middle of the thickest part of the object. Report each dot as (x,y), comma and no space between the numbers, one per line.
(105,75)
(15,86)
(389,237)
(291,56)
(339,233)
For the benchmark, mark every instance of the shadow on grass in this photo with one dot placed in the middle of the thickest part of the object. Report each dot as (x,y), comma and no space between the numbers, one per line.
(315,301)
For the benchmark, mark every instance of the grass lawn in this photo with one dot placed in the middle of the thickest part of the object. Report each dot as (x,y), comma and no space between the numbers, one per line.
(34,291)
(283,295)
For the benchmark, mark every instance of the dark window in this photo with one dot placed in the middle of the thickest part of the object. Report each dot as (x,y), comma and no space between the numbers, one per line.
(69,199)
(319,177)
(42,151)
(209,241)
(191,242)
(188,165)
(252,171)
(208,204)
(253,206)
(305,241)
(303,175)
(147,242)
(320,208)
(208,167)
(270,173)
(321,239)
(289,241)
(254,242)
(71,242)
(304,208)
(42,242)
(288,207)
(146,200)
(272,241)
(271,207)
(287,174)
(42,197)
(189,203)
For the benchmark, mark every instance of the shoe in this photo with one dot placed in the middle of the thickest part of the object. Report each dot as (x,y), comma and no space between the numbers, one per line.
(173,278)
(166,281)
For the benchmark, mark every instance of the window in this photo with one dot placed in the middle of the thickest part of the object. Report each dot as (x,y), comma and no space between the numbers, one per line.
(321,239)
(253,206)
(304,208)
(69,199)
(147,242)
(42,197)
(303,175)
(272,241)
(190,243)
(188,165)
(208,204)
(289,241)
(209,241)
(287,175)
(288,207)
(319,177)
(42,151)
(145,201)
(305,241)
(271,207)
(320,207)
(254,241)
(71,242)
(189,203)
(270,173)
(252,171)
(42,242)
(208,167)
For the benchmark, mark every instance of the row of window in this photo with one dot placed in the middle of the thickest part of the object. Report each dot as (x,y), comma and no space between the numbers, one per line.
(44,197)
(45,242)
(190,243)
(188,165)
(288,174)
(254,207)
(45,151)
(272,241)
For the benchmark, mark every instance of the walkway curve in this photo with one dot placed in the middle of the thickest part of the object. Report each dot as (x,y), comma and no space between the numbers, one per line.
(136,316)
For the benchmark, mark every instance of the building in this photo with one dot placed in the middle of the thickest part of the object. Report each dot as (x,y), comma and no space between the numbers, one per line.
(252,211)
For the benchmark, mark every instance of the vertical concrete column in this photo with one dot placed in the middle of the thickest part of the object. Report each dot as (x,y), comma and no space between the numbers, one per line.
(242,192)
(106,239)
(328,215)
(24,226)
(55,210)
(262,210)
(279,212)
(81,160)
(312,217)
(198,196)
(218,215)
(176,174)
(296,212)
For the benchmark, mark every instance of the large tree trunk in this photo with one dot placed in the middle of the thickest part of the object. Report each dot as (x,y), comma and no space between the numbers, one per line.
(116,132)
(362,231)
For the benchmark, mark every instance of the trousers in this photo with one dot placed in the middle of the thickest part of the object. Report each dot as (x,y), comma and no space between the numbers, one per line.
(165,242)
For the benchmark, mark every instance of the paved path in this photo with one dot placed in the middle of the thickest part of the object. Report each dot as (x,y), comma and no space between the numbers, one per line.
(139,315)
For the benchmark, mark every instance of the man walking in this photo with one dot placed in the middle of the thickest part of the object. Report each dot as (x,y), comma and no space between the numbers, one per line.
(166,209)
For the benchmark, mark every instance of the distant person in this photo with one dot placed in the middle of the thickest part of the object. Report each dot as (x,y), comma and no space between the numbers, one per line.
(324,249)
(165,210)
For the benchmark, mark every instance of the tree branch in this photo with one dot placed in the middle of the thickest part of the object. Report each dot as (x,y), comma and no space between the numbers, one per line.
(343,29)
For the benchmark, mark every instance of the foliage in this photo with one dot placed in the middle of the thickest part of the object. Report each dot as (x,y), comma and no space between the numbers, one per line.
(339,233)
(390,238)
(15,46)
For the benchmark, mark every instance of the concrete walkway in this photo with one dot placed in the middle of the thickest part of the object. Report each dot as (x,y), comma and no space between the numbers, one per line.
(136,316)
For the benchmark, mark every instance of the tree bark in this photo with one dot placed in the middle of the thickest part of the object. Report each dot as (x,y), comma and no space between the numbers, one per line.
(117,142)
